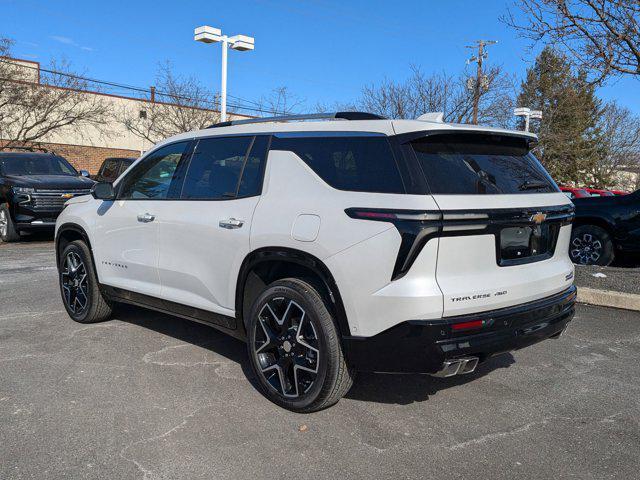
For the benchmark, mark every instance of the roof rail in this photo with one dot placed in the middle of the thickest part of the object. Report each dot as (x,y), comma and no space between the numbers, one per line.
(306,116)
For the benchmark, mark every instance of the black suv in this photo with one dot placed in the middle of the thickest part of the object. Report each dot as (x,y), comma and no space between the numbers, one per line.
(112,168)
(604,227)
(33,189)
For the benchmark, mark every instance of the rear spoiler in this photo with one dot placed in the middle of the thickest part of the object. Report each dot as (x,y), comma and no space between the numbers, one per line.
(530,140)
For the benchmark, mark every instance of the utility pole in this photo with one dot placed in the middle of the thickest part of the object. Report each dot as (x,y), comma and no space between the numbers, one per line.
(481,81)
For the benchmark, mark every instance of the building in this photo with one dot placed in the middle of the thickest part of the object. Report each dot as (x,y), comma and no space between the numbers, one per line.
(87,148)
(627,177)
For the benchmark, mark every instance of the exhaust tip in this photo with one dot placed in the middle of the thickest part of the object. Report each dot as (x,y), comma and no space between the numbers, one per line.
(457,366)
(469,366)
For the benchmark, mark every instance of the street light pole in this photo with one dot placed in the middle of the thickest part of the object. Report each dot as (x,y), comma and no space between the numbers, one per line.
(528,114)
(223,84)
(206,34)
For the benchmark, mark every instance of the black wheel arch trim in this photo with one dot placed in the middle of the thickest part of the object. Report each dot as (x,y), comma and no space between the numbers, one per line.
(83,234)
(298,257)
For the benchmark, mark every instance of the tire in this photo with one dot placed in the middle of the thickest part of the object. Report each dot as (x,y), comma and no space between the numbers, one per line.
(311,343)
(79,288)
(591,245)
(8,232)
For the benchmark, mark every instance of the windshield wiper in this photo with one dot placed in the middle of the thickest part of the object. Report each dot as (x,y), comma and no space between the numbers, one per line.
(532,185)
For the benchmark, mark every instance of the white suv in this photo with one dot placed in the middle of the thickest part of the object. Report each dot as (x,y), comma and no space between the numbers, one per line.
(330,247)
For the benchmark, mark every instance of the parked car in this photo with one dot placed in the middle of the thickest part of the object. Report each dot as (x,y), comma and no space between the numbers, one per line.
(575,192)
(112,168)
(33,188)
(330,247)
(596,192)
(604,227)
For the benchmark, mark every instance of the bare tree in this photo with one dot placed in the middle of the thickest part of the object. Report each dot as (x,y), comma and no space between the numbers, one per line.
(621,137)
(280,102)
(37,104)
(601,36)
(422,93)
(175,105)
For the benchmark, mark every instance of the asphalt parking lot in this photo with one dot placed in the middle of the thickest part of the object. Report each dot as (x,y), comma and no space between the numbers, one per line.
(151,396)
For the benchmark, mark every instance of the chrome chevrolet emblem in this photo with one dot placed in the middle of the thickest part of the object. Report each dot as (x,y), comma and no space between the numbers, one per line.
(538,218)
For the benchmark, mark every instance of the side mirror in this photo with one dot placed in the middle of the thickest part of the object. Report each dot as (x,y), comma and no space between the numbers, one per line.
(103,191)
(84,173)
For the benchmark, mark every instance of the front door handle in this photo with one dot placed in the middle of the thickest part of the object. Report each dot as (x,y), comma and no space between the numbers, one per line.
(231,223)
(146,218)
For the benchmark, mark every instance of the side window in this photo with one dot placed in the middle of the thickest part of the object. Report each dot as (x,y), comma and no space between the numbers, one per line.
(109,169)
(251,181)
(355,163)
(215,168)
(153,178)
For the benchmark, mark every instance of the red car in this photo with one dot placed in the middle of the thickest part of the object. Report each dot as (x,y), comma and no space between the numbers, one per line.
(595,192)
(575,192)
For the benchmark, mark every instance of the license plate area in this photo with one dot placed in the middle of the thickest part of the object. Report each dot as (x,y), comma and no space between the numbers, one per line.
(518,244)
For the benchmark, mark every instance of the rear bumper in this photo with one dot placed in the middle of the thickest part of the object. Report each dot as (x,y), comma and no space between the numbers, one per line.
(424,345)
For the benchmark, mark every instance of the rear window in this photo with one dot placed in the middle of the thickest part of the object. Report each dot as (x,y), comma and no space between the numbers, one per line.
(355,163)
(124,164)
(473,164)
(110,169)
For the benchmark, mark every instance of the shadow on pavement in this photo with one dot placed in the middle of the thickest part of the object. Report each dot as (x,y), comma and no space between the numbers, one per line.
(398,389)
(189,332)
(410,388)
(627,260)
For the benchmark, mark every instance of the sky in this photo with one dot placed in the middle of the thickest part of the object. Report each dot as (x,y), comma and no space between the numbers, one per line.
(323,51)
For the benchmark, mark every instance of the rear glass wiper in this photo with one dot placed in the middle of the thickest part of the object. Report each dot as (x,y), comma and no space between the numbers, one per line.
(532,185)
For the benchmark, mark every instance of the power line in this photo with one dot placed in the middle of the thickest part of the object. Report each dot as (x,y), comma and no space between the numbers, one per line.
(146,91)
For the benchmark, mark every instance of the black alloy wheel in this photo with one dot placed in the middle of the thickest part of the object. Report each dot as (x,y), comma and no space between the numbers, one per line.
(295,348)
(74,282)
(287,347)
(79,286)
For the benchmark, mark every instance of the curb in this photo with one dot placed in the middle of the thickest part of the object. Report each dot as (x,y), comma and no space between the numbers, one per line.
(609,298)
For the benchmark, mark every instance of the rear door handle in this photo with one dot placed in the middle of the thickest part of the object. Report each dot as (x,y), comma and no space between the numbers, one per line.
(231,223)
(146,218)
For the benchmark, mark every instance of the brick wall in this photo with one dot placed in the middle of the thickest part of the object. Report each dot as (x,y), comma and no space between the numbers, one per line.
(87,158)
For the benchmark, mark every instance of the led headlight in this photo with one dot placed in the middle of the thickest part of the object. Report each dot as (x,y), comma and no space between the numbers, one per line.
(22,195)
(22,190)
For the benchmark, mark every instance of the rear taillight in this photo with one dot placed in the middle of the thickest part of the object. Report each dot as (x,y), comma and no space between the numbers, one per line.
(385,215)
(415,227)
(372,215)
